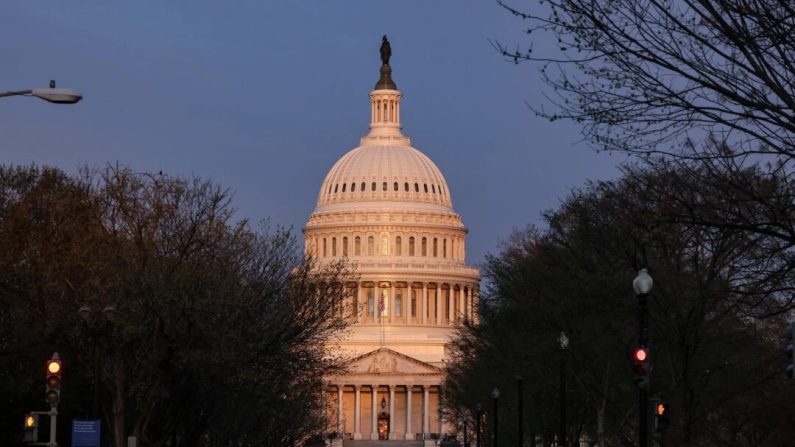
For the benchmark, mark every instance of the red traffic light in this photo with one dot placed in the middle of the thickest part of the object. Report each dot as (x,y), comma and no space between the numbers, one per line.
(53,367)
(640,355)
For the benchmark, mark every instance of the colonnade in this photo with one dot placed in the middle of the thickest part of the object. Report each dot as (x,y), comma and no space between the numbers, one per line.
(407,428)
(411,303)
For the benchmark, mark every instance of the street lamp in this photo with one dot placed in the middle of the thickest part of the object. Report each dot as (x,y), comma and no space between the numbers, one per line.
(520,414)
(563,343)
(479,414)
(94,332)
(52,94)
(642,285)
(495,393)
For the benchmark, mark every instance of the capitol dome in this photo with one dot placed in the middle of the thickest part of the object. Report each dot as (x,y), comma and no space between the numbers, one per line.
(386,210)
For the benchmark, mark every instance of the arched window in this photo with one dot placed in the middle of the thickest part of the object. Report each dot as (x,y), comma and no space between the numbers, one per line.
(329,188)
(364,187)
(444,248)
(406,186)
(335,188)
(372,186)
(416,187)
(433,189)
(395,186)
(435,245)
(334,246)
(324,247)
(353,187)
(398,246)
(370,246)
(425,185)
(383,186)
(343,187)
(357,246)
(345,246)
(411,246)
(425,246)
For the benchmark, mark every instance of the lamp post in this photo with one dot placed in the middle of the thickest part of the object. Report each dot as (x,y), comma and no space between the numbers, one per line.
(642,285)
(520,416)
(95,332)
(495,393)
(479,416)
(563,343)
(52,94)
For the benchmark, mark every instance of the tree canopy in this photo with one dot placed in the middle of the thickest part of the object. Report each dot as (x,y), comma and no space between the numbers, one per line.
(218,330)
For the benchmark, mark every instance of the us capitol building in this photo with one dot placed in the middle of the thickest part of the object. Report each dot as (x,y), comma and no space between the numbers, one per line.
(386,208)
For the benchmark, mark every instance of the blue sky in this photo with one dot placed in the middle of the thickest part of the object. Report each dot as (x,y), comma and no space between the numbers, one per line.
(263,96)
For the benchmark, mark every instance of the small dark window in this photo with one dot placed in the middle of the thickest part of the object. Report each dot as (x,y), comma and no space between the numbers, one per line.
(426,187)
(364,186)
(353,187)
(433,188)
(329,189)
(406,186)
(343,187)
(335,188)
(372,187)
(383,186)
(416,188)
(395,186)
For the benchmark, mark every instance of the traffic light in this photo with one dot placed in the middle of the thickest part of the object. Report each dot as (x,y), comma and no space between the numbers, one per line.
(660,416)
(53,379)
(790,368)
(31,428)
(641,365)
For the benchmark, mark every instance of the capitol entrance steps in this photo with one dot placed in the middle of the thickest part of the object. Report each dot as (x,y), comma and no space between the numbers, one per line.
(371,443)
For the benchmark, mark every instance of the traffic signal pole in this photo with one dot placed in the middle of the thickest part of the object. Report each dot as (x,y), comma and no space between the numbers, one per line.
(643,386)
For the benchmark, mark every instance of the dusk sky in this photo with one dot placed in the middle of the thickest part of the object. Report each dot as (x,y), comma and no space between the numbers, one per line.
(263,97)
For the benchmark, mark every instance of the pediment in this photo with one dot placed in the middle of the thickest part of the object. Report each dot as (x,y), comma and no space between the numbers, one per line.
(384,361)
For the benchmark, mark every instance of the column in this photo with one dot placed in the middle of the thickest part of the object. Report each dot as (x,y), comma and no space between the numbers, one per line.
(357,413)
(451,305)
(409,432)
(392,303)
(439,307)
(424,303)
(392,434)
(357,310)
(425,416)
(461,303)
(340,427)
(374,430)
(441,412)
(409,297)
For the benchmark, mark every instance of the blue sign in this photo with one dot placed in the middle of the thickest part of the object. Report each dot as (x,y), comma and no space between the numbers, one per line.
(85,433)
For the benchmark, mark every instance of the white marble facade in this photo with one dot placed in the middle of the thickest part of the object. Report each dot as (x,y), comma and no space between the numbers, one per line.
(386,208)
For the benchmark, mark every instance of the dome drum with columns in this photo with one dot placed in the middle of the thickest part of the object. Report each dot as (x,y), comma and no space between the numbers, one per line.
(386,208)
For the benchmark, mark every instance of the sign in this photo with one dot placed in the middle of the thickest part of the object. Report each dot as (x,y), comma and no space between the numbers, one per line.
(85,433)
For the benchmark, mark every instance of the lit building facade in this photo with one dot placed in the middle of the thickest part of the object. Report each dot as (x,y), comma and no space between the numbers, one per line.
(386,208)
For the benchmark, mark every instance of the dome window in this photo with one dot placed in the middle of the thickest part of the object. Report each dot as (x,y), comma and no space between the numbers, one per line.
(364,187)
(353,187)
(343,187)
(372,186)
(383,186)
(406,186)
(395,186)
(329,188)
(334,246)
(370,246)
(416,188)
(411,246)
(357,246)
(345,246)
(433,189)
(424,184)
(398,246)
(337,186)
(425,246)
(435,247)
